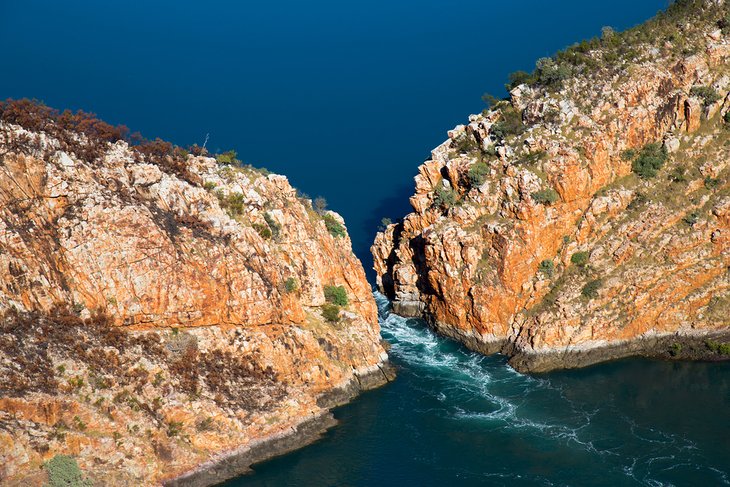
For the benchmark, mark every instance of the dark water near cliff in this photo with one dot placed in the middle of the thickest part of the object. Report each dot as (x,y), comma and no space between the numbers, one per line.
(347,98)
(454,417)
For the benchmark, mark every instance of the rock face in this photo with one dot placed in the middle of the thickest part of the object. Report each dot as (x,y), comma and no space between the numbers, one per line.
(537,230)
(154,320)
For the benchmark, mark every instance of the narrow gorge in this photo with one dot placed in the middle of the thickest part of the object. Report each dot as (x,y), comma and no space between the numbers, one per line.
(586,217)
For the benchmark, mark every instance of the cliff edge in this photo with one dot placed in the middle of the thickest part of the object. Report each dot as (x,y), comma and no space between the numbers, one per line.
(586,217)
(165,316)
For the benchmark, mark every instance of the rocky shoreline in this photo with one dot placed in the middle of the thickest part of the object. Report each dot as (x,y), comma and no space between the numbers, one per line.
(239,462)
(666,346)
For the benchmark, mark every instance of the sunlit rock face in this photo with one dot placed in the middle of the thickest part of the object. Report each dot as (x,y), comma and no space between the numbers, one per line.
(155,319)
(504,205)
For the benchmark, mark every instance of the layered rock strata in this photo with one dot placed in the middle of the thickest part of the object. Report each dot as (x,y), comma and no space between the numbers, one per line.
(162,313)
(538,229)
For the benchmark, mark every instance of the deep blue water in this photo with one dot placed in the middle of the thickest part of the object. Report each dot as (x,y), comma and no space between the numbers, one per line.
(347,98)
(344,97)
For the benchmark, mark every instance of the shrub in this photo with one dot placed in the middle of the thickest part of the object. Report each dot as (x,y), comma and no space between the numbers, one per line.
(547,267)
(231,203)
(335,295)
(509,124)
(444,197)
(675,350)
(333,226)
(273,226)
(551,74)
(717,347)
(478,174)
(545,196)
(691,218)
(580,259)
(711,183)
(518,78)
(649,161)
(331,313)
(291,285)
(590,290)
(678,174)
(708,94)
(384,224)
(263,230)
(64,471)
(209,185)
(726,117)
(228,158)
(490,100)
(465,143)
(320,205)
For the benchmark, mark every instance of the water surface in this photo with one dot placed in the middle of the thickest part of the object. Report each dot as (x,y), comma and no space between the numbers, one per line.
(454,417)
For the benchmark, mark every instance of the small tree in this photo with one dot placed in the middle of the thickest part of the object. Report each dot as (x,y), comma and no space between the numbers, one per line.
(708,94)
(384,224)
(444,197)
(649,161)
(580,259)
(336,295)
(228,157)
(320,205)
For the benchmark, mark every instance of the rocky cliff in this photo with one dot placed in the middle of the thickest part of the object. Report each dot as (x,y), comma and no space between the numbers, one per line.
(163,314)
(587,217)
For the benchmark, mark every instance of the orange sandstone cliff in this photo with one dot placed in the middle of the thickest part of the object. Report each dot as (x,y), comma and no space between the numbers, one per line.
(587,217)
(161,314)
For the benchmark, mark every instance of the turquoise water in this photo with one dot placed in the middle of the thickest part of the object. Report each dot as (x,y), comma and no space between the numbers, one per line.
(347,98)
(454,417)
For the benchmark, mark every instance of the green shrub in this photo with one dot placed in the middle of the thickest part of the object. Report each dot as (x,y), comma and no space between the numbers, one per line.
(384,224)
(509,124)
(726,117)
(64,471)
(478,173)
(209,185)
(580,259)
(691,218)
(547,267)
(335,295)
(717,347)
(291,285)
(263,230)
(333,226)
(518,78)
(444,197)
(320,205)
(649,161)
(590,290)
(678,174)
(231,203)
(465,143)
(711,183)
(545,196)
(628,154)
(675,350)
(228,158)
(273,226)
(331,313)
(551,74)
(708,94)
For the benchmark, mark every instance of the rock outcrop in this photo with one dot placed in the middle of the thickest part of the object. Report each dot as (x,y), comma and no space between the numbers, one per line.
(161,313)
(586,218)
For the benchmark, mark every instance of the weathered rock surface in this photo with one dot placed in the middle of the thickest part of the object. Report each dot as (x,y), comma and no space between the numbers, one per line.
(488,260)
(153,324)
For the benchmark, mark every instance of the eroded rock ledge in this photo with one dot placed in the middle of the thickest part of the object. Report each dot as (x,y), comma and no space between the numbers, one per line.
(161,313)
(541,230)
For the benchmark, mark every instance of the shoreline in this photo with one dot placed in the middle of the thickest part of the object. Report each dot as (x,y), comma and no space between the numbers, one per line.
(677,346)
(232,464)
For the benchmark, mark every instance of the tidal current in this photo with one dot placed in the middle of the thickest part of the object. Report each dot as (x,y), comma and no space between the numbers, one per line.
(454,417)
